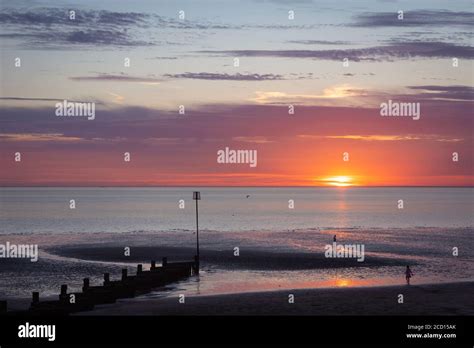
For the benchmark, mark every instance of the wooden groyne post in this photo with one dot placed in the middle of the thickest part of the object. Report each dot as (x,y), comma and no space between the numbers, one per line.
(106,279)
(124,274)
(110,291)
(36,297)
(63,293)
(85,285)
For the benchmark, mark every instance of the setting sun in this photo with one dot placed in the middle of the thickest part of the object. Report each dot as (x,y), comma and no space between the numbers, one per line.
(340,181)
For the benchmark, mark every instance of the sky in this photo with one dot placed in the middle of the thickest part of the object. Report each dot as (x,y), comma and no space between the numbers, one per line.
(334,63)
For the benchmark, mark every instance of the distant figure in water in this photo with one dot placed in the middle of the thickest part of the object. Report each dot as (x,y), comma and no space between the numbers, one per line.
(334,238)
(408,274)
(248,196)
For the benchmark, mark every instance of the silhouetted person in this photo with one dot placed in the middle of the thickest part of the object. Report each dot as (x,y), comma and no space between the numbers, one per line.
(334,238)
(408,274)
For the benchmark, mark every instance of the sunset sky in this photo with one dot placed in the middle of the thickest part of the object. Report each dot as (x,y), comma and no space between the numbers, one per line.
(282,62)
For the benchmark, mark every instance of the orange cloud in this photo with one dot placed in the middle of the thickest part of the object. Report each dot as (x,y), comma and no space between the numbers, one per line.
(433,137)
(34,137)
(330,93)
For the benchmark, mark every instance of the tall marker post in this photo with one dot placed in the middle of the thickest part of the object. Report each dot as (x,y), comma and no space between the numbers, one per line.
(197,197)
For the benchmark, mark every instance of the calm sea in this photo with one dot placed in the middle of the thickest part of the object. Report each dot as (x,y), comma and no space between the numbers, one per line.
(26,210)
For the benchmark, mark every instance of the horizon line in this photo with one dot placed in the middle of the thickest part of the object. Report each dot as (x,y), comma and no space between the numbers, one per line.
(243,186)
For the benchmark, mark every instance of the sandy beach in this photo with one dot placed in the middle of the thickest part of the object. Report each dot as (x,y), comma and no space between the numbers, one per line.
(433,299)
(258,281)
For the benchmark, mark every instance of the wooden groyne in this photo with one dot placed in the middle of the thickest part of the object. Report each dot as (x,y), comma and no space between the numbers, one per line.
(111,290)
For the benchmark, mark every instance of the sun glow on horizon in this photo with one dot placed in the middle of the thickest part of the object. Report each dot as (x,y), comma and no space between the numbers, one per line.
(339,181)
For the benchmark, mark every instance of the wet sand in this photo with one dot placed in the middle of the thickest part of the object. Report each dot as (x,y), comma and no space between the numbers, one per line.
(68,264)
(433,299)
(250,259)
